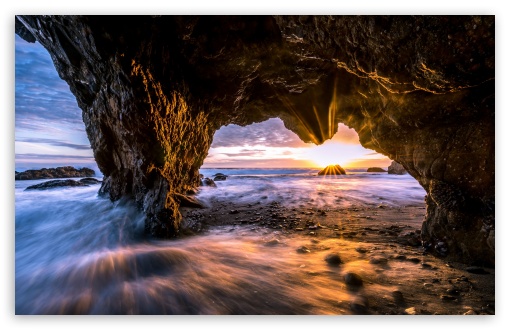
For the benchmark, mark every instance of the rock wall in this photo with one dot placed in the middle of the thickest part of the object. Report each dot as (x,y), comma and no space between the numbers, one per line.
(418,89)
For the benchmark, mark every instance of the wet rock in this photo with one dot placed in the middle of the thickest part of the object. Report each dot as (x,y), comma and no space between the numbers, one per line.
(398,296)
(375,169)
(359,305)
(332,170)
(453,292)
(208,182)
(361,249)
(396,168)
(90,181)
(303,249)
(272,242)
(220,177)
(188,201)
(378,261)
(56,184)
(54,173)
(353,279)
(333,259)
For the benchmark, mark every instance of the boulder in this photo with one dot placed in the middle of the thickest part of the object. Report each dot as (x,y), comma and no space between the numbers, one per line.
(220,177)
(207,182)
(54,173)
(396,168)
(375,169)
(332,170)
(90,181)
(57,184)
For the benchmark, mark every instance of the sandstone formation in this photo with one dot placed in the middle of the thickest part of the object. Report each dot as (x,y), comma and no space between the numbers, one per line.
(332,170)
(418,89)
(54,173)
(396,168)
(375,169)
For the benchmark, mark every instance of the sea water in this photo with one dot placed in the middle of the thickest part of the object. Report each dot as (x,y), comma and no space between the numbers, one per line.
(78,253)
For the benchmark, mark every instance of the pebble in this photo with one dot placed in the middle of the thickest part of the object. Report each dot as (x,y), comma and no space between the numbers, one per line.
(359,305)
(453,291)
(361,250)
(470,312)
(398,296)
(410,311)
(273,242)
(378,260)
(353,279)
(303,249)
(333,259)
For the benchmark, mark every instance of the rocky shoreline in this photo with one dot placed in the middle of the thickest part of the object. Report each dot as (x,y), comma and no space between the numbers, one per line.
(54,173)
(382,259)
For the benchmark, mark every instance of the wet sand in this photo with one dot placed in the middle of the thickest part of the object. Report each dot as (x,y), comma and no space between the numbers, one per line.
(383,269)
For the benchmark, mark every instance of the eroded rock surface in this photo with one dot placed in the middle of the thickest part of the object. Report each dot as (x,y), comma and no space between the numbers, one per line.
(396,168)
(418,89)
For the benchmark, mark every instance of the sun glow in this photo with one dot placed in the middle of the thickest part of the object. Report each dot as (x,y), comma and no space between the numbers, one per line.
(332,152)
(271,145)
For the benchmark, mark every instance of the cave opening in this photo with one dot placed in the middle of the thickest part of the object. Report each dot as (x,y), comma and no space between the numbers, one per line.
(265,163)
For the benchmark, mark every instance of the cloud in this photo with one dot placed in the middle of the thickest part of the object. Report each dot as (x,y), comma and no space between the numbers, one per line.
(33,156)
(270,133)
(56,143)
(42,99)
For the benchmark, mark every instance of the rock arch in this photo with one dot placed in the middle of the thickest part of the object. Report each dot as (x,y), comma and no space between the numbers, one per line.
(418,89)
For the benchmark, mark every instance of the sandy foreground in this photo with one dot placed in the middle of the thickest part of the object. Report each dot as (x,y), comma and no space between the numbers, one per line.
(372,253)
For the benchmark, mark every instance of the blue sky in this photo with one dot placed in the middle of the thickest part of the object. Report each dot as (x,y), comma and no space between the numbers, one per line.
(49,130)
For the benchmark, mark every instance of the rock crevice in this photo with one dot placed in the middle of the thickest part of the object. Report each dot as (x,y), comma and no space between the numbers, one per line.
(418,89)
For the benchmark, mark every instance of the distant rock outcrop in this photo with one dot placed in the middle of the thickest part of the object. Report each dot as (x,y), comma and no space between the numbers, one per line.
(220,177)
(375,169)
(63,183)
(332,170)
(54,173)
(396,168)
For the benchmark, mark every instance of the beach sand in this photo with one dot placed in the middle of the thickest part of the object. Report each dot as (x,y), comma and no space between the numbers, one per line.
(380,245)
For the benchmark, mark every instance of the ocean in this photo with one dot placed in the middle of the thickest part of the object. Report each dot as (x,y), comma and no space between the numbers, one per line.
(77,253)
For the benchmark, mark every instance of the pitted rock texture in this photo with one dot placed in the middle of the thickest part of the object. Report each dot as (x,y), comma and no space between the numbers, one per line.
(418,89)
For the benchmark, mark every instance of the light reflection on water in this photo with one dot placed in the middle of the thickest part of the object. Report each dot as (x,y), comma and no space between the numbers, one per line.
(80,254)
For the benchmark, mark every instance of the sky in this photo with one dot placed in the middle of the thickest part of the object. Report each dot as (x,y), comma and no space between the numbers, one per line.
(49,130)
